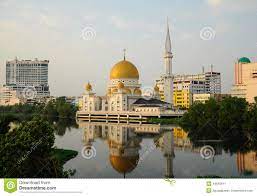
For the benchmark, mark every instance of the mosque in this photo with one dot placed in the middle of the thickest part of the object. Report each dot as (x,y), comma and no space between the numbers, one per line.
(124,94)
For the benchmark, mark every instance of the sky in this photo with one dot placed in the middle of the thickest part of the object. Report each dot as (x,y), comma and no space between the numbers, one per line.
(83,39)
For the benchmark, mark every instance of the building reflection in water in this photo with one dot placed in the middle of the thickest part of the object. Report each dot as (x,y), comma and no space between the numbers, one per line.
(247,162)
(124,142)
(166,144)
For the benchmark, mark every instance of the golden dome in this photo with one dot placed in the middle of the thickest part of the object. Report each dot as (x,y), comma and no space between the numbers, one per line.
(120,85)
(156,88)
(124,69)
(124,164)
(88,87)
(137,91)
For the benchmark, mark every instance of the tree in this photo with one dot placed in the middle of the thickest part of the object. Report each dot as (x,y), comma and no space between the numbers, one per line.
(232,117)
(5,121)
(201,120)
(50,109)
(26,151)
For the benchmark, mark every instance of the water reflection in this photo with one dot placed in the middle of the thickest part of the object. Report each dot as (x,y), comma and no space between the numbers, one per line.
(247,162)
(166,144)
(150,150)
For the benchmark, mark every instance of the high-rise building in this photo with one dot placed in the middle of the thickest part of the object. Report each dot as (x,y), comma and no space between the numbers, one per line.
(184,86)
(29,78)
(183,91)
(245,84)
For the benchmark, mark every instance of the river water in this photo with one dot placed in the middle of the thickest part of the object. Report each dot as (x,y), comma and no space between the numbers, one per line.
(111,150)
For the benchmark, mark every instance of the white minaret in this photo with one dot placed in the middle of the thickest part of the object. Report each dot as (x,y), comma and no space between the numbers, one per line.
(168,55)
(168,77)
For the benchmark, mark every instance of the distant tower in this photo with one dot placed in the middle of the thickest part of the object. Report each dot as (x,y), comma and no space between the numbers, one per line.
(168,77)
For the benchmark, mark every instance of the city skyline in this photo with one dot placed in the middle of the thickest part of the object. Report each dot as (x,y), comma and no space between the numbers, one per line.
(56,32)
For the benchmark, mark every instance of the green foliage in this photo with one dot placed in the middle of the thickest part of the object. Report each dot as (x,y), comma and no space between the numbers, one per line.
(50,109)
(22,112)
(60,108)
(27,152)
(230,119)
(5,121)
(64,155)
(201,120)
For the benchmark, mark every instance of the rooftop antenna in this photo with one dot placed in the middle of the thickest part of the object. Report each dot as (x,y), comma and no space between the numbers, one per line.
(124,53)
(203,69)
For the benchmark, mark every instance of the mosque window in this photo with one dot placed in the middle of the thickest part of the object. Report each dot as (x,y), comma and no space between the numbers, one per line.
(254,74)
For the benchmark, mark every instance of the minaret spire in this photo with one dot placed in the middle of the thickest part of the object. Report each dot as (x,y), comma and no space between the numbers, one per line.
(168,54)
(168,42)
(168,77)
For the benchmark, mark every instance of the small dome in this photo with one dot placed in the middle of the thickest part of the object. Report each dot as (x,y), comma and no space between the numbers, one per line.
(244,60)
(120,85)
(88,87)
(137,91)
(156,88)
(124,69)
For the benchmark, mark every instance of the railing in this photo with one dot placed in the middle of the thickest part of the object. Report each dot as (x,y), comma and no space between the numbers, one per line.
(129,113)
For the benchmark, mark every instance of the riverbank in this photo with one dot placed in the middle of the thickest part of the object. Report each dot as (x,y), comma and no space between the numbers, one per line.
(164,121)
(64,155)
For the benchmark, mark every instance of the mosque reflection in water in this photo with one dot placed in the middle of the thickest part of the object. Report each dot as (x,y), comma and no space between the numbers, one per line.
(124,143)
(125,146)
